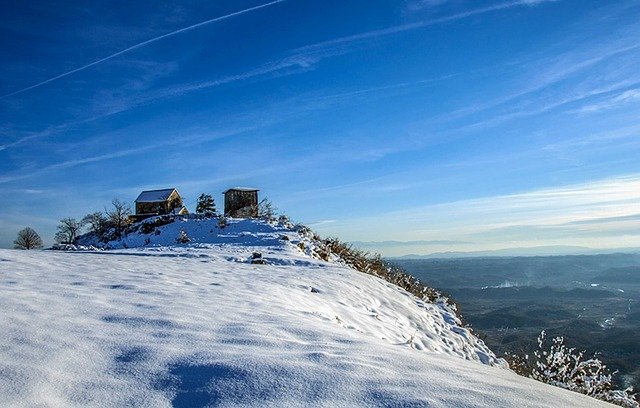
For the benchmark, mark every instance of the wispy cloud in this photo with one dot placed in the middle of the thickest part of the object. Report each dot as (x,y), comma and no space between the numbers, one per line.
(607,220)
(611,137)
(422,4)
(142,44)
(276,68)
(319,223)
(376,185)
(297,61)
(188,139)
(412,85)
(286,66)
(554,82)
(575,213)
(108,105)
(626,97)
(535,106)
(343,44)
(418,243)
(33,135)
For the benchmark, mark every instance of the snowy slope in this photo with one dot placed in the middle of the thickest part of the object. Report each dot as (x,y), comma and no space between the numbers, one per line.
(198,325)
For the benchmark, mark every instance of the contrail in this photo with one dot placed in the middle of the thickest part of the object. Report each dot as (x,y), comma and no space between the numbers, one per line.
(142,44)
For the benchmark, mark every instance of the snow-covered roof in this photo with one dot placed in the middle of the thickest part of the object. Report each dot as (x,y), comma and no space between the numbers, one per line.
(179,210)
(154,196)
(240,189)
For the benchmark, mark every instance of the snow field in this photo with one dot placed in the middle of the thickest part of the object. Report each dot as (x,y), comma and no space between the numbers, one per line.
(198,325)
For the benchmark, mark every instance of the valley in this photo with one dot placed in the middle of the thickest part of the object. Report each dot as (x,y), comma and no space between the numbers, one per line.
(593,301)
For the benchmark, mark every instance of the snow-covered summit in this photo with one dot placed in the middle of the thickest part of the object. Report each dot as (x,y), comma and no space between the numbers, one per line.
(202,232)
(199,324)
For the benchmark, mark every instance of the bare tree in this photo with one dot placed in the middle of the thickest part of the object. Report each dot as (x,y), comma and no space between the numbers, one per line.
(118,216)
(97,222)
(67,231)
(28,239)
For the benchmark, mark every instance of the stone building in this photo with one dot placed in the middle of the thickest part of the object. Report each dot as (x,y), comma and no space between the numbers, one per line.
(159,202)
(241,202)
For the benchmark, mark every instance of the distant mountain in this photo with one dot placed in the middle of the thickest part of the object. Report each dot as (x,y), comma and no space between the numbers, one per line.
(531,251)
(629,274)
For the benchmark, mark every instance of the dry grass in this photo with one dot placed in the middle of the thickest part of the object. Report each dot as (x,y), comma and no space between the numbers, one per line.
(371,264)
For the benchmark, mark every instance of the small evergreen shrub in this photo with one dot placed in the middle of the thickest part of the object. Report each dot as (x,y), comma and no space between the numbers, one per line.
(206,205)
(266,210)
(183,238)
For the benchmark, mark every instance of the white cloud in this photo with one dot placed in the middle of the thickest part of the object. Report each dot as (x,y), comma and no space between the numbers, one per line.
(611,102)
(322,222)
(580,214)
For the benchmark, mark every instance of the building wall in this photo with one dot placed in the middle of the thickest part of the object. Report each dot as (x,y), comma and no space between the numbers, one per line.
(174,201)
(162,207)
(241,203)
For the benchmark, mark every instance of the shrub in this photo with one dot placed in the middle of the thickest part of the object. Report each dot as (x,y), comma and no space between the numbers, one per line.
(556,364)
(285,221)
(266,210)
(148,226)
(373,265)
(183,238)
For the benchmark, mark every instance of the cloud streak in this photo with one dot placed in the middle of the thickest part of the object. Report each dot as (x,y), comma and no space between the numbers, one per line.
(142,44)
(419,243)
(299,60)
(574,214)
(182,141)
(333,46)
(626,97)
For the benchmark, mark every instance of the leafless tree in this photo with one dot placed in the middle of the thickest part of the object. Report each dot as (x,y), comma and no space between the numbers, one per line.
(97,222)
(67,231)
(28,239)
(118,216)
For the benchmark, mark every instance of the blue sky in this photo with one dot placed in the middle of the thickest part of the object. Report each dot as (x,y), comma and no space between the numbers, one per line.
(444,124)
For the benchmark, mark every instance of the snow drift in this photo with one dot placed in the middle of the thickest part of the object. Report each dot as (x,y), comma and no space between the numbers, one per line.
(198,324)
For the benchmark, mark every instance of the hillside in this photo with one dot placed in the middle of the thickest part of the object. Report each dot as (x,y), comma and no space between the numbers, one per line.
(198,324)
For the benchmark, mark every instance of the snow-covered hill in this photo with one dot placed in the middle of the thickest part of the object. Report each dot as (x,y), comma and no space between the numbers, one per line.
(198,324)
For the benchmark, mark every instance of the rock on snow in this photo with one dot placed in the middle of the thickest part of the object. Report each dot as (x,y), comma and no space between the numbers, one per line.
(199,325)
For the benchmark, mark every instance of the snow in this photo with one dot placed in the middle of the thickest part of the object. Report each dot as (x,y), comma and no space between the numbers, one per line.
(154,196)
(179,210)
(199,325)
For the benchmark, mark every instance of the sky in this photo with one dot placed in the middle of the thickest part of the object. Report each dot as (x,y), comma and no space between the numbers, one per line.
(409,126)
